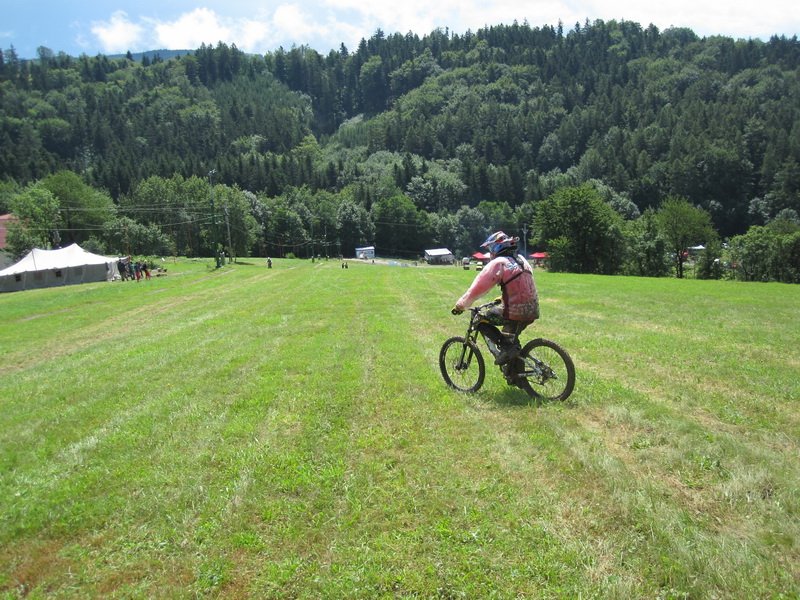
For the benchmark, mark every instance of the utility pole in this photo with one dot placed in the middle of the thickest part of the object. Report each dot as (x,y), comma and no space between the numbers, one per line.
(228,224)
(525,241)
(214,242)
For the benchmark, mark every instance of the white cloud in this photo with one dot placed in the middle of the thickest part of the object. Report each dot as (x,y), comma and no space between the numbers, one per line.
(734,18)
(252,36)
(324,24)
(118,34)
(419,16)
(321,29)
(190,30)
(286,25)
(339,32)
(289,17)
(423,16)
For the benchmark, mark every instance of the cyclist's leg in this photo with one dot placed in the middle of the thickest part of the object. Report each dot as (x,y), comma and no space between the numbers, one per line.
(492,322)
(495,316)
(513,329)
(510,345)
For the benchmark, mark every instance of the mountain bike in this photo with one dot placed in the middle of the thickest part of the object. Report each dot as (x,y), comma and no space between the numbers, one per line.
(542,368)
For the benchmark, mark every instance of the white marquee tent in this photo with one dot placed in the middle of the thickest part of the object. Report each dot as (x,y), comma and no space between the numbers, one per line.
(65,266)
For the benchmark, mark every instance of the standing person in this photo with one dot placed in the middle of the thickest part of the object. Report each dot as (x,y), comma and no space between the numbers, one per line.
(514,275)
(123,269)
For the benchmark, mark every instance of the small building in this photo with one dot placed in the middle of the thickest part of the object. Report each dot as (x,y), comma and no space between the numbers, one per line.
(366,252)
(439,256)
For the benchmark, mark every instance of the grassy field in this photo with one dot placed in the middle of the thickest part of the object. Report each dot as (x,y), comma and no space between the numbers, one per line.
(285,433)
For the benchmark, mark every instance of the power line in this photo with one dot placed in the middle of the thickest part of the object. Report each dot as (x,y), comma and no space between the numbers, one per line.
(75,229)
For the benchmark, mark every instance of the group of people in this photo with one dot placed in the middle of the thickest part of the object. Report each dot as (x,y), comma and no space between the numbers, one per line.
(130,270)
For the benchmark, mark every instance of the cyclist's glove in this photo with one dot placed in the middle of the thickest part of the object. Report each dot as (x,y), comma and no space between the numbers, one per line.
(456,310)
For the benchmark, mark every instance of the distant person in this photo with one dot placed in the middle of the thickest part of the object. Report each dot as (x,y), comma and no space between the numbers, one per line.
(123,269)
(520,300)
(269,262)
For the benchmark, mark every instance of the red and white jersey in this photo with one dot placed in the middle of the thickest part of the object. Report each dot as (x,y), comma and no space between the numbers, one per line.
(515,278)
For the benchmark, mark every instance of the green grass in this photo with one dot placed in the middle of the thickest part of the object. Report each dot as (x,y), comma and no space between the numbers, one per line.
(246,432)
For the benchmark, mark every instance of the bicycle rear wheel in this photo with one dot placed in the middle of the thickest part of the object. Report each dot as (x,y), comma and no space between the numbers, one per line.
(548,370)
(461,364)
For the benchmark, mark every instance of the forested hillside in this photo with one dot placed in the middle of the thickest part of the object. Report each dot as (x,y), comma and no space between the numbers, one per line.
(409,141)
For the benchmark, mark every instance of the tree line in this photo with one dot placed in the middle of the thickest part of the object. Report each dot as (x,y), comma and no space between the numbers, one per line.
(409,142)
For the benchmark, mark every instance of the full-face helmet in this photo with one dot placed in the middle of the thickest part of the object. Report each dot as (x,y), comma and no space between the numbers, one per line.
(499,242)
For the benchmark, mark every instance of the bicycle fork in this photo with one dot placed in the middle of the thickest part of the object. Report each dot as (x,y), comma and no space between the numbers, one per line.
(465,358)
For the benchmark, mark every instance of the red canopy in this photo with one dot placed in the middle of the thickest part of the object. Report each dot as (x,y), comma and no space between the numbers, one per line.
(539,255)
(480,256)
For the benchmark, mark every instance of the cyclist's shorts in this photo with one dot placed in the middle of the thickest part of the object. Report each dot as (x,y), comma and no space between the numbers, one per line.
(494,316)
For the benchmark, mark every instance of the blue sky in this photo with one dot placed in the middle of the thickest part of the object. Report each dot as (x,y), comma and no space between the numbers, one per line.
(111,27)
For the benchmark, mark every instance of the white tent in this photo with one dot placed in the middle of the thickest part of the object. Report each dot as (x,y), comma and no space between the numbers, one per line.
(65,266)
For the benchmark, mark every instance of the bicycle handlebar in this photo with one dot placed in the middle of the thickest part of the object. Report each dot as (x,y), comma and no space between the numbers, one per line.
(479,308)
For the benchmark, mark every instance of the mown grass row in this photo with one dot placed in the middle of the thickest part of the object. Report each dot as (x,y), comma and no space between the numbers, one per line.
(247,432)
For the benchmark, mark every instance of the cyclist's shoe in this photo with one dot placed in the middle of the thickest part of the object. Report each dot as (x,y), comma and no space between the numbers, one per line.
(506,354)
(511,377)
(509,349)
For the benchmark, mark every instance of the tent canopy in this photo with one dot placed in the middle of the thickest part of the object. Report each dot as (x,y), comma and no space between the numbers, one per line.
(41,260)
(45,268)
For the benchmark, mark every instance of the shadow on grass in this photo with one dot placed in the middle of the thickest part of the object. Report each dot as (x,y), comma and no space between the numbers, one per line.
(512,396)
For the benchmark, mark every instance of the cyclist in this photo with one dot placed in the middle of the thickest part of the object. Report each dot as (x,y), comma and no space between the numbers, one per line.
(520,300)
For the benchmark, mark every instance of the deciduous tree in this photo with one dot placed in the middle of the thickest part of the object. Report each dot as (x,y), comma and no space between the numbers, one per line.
(682,226)
(581,232)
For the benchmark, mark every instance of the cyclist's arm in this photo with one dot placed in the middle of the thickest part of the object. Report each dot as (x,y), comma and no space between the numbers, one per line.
(485,280)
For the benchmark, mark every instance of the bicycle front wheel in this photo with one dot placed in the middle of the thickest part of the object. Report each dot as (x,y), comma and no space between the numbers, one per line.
(462,365)
(549,370)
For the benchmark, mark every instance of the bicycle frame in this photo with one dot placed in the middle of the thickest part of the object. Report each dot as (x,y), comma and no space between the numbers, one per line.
(479,325)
